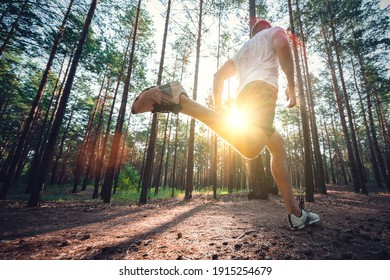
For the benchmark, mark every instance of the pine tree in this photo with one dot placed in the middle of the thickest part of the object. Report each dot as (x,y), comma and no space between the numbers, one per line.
(49,150)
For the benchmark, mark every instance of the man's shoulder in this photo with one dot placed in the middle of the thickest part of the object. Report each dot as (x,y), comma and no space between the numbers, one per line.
(276,29)
(277,32)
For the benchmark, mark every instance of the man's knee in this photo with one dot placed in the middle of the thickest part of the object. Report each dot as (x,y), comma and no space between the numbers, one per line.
(276,145)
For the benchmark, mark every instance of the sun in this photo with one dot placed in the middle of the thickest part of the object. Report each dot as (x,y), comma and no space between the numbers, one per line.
(236,119)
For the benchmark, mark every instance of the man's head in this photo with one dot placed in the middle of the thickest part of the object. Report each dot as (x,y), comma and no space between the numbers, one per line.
(260,24)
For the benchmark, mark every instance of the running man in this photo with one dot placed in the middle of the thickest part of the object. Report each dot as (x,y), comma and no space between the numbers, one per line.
(256,64)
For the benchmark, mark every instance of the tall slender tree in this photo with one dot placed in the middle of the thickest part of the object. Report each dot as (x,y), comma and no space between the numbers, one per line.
(157,179)
(320,181)
(191,141)
(360,182)
(49,150)
(304,117)
(80,165)
(113,159)
(100,161)
(148,167)
(340,106)
(34,107)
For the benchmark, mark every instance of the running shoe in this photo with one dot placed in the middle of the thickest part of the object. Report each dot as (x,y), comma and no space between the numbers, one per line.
(307,218)
(164,98)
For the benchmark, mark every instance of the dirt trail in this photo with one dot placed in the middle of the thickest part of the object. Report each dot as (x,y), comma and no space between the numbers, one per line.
(353,226)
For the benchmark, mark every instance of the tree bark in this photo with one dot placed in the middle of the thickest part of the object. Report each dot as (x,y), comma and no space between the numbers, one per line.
(157,181)
(100,162)
(375,143)
(304,118)
(337,96)
(165,182)
(148,168)
(373,159)
(94,151)
(112,162)
(191,141)
(34,107)
(48,154)
(85,146)
(320,176)
(361,185)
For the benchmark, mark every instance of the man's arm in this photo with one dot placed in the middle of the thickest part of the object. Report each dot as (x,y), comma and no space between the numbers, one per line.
(283,51)
(226,71)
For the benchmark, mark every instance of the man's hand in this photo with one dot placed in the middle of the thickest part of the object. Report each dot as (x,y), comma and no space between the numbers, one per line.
(290,97)
(227,70)
(282,47)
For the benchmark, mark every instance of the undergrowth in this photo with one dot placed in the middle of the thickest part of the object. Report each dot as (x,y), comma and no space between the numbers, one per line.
(63,193)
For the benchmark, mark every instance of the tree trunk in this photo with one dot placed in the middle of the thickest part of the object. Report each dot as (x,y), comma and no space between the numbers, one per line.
(53,178)
(332,174)
(148,168)
(314,131)
(173,179)
(85,146)
(351,156)
(34,107)
(165,182)
(361,185)
(214,138)
(157,179)
(94,151)
(191,141)
(112,162)
(121,160)
(142,171)
(100,162)
(252,15)
(63,169)
(256,176)
(256,172)
(304,118)
(384,129)
(230,169)
(385,132)
(373,159)
(44,133)
(339,153)
(375,143)
(48,154)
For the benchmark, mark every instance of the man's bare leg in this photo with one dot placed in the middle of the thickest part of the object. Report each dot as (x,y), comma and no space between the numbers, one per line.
(280,173)
(248,141)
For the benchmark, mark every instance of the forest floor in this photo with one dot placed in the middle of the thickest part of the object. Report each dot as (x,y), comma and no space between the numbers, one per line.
(353,226)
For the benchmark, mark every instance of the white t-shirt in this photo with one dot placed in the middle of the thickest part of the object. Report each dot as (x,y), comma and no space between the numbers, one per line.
(257,60)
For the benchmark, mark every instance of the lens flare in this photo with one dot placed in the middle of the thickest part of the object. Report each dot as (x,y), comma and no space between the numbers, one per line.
(236,119)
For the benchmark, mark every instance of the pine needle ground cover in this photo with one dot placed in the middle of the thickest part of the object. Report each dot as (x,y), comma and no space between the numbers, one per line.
(353,226)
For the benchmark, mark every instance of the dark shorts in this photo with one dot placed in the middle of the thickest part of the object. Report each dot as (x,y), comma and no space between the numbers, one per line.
(257,100)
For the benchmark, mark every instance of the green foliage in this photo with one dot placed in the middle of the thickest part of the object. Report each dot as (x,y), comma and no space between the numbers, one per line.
(361,28)
(128,178)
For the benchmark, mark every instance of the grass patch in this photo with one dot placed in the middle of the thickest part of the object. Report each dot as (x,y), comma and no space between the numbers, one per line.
(63,193)
(132,196)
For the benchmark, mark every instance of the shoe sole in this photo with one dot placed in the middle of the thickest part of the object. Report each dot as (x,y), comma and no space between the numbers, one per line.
(146,96)
(305,224)
(153,96)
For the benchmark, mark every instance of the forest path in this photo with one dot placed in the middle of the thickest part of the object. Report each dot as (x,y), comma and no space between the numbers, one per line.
(353,226)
